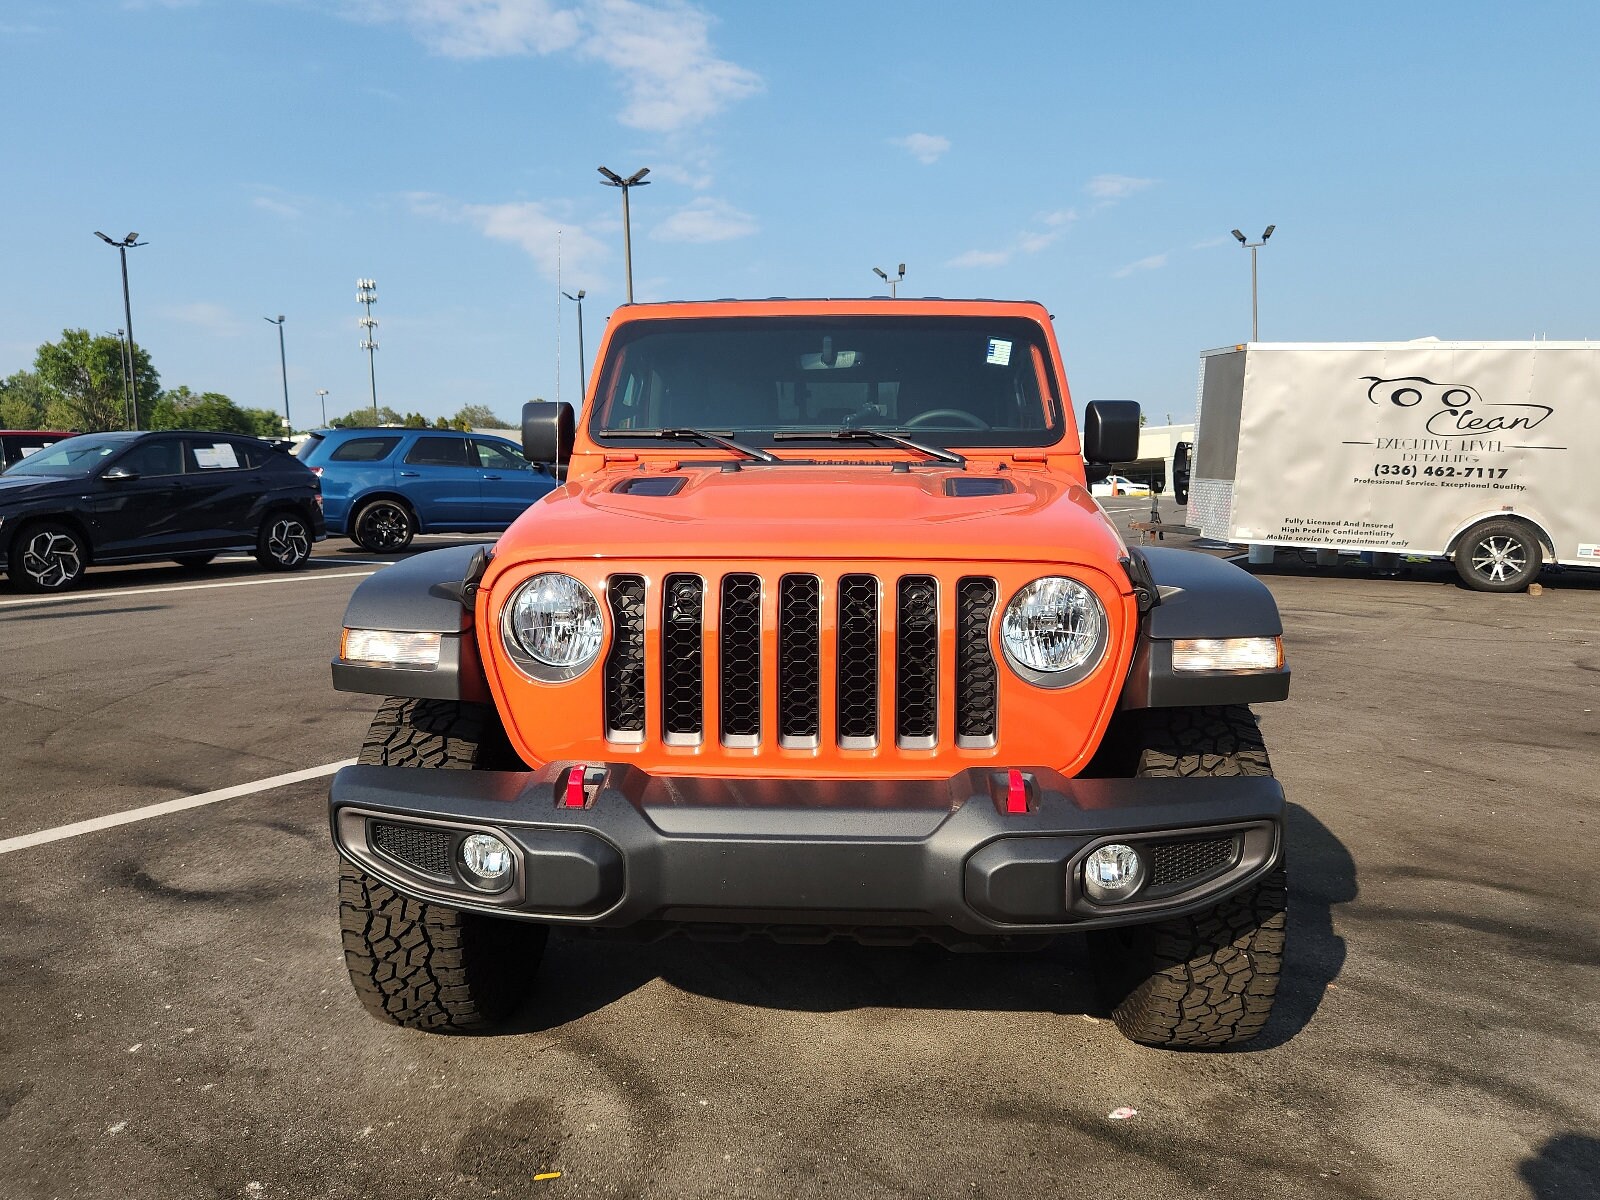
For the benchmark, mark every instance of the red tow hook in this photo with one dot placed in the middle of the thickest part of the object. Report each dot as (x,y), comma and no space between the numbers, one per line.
(1016,792)
(579,788)
(575,797)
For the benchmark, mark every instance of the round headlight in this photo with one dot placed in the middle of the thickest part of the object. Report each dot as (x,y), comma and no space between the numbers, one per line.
(555,620)
(1054,627)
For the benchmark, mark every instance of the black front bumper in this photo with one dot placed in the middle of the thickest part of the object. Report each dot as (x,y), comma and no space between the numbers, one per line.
(800,852)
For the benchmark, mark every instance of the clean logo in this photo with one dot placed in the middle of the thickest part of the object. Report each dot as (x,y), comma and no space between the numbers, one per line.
(1454,409)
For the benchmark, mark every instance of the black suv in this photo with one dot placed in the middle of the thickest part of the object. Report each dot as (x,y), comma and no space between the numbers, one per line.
(132,497)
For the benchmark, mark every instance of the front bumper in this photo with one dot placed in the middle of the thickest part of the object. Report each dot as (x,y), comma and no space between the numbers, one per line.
(838,853)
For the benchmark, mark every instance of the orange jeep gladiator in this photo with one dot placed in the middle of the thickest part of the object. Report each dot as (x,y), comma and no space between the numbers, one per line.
(822,636)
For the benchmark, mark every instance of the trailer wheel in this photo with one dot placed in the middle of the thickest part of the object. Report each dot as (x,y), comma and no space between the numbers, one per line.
(1207,979)
(1499,555)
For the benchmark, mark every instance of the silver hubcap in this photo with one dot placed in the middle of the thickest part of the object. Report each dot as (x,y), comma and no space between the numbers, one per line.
(1499,558)
(287,541)
(51,559)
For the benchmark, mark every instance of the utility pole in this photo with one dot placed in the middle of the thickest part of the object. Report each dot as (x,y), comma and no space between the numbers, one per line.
(127,378)
(583,363)
(637,179)
(322,395)
(894,283)
(1253,247)
(283,365)
(126,244)
(367,294)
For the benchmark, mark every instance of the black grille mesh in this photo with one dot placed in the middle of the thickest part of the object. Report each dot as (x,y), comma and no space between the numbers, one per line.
(858,657)
(977,694)
(1174,863)
(683,657)
(741,656)
(426,850)
(799,657)
(625,662)
(916,654)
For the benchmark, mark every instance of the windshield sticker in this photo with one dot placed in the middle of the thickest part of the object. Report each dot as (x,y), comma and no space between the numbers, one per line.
(213,457)
(999,352)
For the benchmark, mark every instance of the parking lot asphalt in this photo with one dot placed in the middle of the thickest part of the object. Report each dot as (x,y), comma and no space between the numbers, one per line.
(178,1021)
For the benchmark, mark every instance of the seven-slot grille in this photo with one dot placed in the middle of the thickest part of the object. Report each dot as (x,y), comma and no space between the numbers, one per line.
(911,609)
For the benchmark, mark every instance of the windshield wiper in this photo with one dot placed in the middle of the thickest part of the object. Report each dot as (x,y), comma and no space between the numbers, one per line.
(683,434)
(882,435)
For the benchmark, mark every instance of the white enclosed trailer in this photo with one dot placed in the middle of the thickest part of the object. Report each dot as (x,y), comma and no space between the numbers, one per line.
(1487,453)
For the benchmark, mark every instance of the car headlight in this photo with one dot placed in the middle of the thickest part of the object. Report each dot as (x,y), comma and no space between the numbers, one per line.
(552,627)
(1054,631)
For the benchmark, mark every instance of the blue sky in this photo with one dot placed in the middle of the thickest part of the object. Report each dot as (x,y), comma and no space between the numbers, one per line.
(1432,169)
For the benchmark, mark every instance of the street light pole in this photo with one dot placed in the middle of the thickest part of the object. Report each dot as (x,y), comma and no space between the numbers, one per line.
(283,365)
(127,375)
(126,244)
(322,395)
(367,294)
(894,283)
(583,363)
(1253,247)
(637,179)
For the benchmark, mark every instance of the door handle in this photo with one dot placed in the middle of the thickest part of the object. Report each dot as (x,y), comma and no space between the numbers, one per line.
(491,477)
(409,474)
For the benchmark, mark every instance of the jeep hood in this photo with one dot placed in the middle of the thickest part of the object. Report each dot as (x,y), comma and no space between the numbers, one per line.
(867,511)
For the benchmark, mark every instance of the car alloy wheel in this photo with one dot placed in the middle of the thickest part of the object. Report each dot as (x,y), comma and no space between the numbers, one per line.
(288,541)
(52,559)
(383,526)
(1499,558)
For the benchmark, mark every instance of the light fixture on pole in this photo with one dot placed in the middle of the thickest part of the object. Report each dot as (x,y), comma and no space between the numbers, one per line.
(1253,247)
(322,395)
(894,283)
(283,365)
(367,294)
(637,179)
(126,244)
(583,363)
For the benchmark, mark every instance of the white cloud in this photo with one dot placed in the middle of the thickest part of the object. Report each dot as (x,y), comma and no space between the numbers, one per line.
(1208,243)
(981,258)
(1062,216)
(1151,262)
(213,318)
(524,224)
(705,220)
(1115,187)
(1033,241)
(279,208)
(926,148)
(661,54)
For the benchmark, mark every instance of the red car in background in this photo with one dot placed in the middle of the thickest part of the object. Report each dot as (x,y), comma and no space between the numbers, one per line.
(17,444)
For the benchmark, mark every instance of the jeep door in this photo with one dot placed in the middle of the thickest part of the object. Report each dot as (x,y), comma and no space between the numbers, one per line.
(143,512)
(510,482)
(442,482)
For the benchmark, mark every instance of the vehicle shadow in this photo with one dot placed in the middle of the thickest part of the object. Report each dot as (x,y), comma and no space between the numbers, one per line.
(1302,565)
(840,976)
(1567,1165)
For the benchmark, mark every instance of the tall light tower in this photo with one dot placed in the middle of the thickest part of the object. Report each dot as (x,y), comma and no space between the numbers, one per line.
(637,179)
(126,244)
(283,365)
(322,395)
(367,294)
(1253,247)
(894,283)
(583,363)
(127,378)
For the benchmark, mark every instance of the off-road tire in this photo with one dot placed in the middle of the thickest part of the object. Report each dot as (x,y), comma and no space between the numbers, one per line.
(383,527)
(47,556)
(429,966)
(1499,555)
(1208,979)
(284,541)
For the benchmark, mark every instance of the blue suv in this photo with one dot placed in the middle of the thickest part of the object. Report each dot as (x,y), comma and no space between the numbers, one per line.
(382,487)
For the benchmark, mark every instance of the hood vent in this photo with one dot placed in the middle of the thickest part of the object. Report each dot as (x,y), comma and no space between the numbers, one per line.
(977,485)
(651,485)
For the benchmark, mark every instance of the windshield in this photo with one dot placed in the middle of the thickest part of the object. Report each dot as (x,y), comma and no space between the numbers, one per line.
(946,381)
(76,457)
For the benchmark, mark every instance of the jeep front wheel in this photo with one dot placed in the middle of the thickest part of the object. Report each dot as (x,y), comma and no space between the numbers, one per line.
(1207,979)
(418,964)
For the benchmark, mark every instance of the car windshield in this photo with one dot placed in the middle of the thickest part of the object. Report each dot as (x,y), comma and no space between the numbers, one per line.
(944,381)
(75,457)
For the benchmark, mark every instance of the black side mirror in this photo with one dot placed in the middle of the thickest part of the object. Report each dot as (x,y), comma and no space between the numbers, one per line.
(547,432)
(1111,431)
(120,475)
(1180,472)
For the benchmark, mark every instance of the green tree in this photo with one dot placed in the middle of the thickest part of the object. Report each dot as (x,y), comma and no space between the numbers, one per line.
(478,416)
(362,418)
(416,421)
(86,373)
(25,401)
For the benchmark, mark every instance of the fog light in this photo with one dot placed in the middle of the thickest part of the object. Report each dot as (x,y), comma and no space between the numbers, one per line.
(487,860)
(1112,873)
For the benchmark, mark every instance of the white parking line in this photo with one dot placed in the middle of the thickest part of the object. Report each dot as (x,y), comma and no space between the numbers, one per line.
(111,821)
(117,594)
